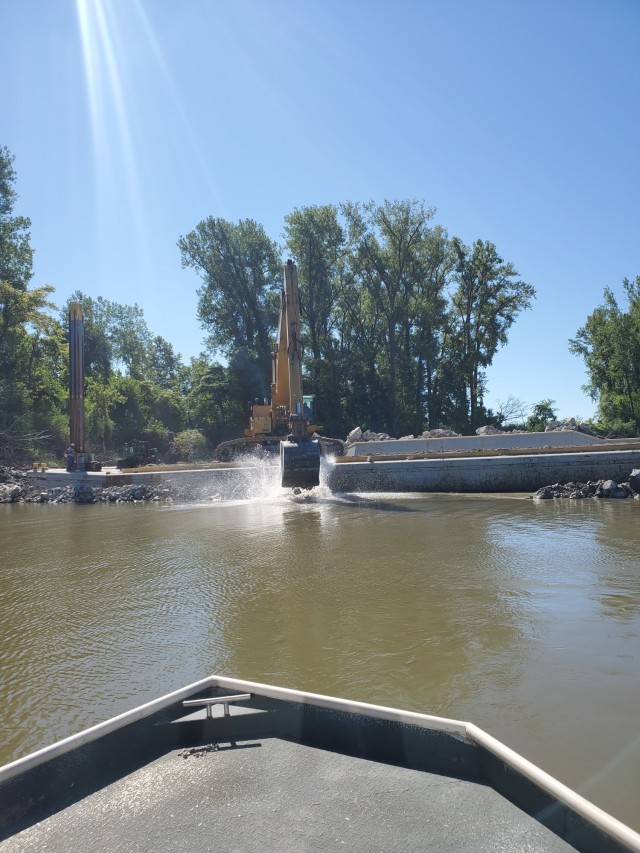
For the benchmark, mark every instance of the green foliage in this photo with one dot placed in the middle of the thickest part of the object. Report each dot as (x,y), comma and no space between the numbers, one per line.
(158,435)
(238,302)
(388,250)
(609,342)
(101,399)
(399,324)
(138,404)
(189,446)
(241,270)
(164,365)
(410,320)
(16,255)
(31,347)
(484,305)
(317,243)
(215,402)
(542,413)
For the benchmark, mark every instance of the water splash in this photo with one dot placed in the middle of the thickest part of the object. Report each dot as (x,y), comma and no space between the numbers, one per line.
(258,479)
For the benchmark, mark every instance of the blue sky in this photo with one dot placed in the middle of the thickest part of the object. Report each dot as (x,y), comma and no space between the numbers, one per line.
(132,120)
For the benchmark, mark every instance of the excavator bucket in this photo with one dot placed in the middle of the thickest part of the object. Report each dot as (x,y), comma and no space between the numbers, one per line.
(300,464)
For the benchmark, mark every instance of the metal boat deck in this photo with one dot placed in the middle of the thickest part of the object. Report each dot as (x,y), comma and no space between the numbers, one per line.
(293,772)
(270,794)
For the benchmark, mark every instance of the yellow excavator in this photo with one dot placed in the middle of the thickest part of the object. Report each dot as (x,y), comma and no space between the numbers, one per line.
(287,420)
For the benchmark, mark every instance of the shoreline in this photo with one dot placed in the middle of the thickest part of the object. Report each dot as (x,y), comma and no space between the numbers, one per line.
(16,487)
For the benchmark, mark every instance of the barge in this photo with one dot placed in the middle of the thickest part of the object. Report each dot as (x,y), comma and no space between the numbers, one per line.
(238,765)
(509,462)
(513,462)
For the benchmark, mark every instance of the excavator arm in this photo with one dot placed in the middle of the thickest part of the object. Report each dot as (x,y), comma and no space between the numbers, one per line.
(299,453)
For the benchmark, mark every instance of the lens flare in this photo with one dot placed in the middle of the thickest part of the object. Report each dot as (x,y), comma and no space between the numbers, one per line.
(126,73)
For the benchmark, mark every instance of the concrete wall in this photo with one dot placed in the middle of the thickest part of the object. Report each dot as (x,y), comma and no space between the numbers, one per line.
(557,438)
(525,473)
(522,473)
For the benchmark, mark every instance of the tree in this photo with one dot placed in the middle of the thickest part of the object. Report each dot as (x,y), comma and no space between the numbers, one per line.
(509,412)
(428,328)
(609,342)
(215,401)
(30,346)
(101,399)
(16,255)
(165,366)
(542,413)
(389,247)
(130,338)
(189,446)
(317,243)
(134,381)
(484,306)
(238,302)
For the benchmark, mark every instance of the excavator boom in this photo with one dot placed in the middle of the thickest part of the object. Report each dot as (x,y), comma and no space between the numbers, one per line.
(286,420)
(299,454)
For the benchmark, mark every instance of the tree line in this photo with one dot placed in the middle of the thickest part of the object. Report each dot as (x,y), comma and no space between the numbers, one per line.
(400,323)
(609,343)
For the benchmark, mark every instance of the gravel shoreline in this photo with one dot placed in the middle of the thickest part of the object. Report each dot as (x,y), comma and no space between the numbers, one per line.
(15,487)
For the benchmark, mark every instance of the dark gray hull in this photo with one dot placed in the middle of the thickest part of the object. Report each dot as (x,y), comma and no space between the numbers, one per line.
(290,771)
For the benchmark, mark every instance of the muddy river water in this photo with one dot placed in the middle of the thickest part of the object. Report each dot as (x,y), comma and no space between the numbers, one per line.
(521,616)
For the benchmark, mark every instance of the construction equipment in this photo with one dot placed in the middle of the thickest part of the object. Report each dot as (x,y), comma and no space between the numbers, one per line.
(287,421)
(137,453)
(84,461)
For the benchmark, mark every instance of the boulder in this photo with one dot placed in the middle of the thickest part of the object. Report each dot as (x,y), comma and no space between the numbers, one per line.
(354,435)
(10,493)
(489,430)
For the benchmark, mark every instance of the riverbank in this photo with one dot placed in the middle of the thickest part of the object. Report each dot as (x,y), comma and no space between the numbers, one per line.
(16,487)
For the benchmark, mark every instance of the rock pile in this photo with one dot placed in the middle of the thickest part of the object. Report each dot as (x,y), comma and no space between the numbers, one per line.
(82,493)
(14,486)
(359,434)
(599,489)
(569,424)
